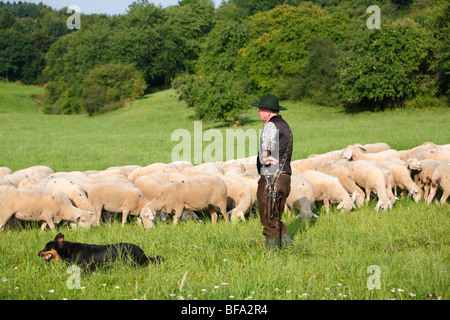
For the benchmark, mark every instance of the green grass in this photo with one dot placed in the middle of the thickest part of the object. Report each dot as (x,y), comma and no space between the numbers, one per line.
(228,261)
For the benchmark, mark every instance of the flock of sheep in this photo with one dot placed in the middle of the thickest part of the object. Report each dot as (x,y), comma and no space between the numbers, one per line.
(346,177)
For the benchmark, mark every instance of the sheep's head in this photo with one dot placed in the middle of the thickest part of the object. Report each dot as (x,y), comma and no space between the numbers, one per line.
(148,216)
(413,164)
(416,194)
(84,219)
(383,205)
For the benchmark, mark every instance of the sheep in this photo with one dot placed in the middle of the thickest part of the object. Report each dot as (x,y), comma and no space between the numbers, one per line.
(329,190)
(340,170)
(115,179)
(32,179)
(5,171)
(73,190)
(193,193)
(374,147)
(412,153)
(35,205)
(304,164)
(356,153)
(302,197)
(113,197)
(424,176)
(371,178)
(239,197)
(402,179)
(16,178)
(5,185)
(151,185)
(154,167)
(440,179)
(332,155)
(435,154)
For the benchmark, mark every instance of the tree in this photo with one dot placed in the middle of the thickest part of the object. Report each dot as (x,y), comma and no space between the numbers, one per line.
(108,87)
(383,68)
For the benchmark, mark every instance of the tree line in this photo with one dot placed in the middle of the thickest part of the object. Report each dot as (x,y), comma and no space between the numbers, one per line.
(220,59)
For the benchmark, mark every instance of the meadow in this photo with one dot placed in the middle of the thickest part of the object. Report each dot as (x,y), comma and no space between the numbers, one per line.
(330,258)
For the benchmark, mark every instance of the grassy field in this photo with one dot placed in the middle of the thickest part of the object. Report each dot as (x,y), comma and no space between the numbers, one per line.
(228,261)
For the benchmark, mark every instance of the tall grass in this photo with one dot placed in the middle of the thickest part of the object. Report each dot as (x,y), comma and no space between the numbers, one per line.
(330,256)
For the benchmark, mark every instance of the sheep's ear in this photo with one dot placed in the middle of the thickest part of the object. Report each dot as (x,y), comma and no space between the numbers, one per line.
(354,195)
(362,148)
(59,238)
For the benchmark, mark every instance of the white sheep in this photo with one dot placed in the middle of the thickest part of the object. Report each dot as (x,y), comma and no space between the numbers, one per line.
(424,176)
(73,190)
(113,197)
(356,153)
(374,147)
(402,179)
(193,193)
(304,165)
(239,197)
(329,190)
(440,179)
(35,205)
(151,168)
(340,169)
(5,171)
(5,185)
(371,178)
(302,198)
(151,185)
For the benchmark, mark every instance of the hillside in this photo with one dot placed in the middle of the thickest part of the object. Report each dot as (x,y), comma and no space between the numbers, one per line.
(141,134)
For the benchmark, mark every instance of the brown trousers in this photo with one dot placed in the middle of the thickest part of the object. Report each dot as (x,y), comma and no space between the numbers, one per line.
(273,227)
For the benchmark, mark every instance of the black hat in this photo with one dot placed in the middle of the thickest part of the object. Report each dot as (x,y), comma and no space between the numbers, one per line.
(269,101)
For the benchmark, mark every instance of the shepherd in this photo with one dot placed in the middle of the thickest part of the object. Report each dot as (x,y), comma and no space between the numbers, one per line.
(274,168)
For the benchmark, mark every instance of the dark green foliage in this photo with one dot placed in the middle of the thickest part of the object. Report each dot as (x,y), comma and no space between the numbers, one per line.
(108,87)
(383,68)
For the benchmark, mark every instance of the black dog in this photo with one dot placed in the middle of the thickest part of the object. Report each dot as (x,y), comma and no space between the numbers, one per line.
(91,255)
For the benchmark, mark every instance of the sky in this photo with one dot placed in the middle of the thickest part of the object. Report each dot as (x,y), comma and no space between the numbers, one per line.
(102,6)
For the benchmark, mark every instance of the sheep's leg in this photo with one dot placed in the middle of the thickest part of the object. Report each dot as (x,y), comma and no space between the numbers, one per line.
(433,191)
(444,197)
(427,188)
(177,215)
(367,196)
(124,217)
(4,218)
(223,210)
(326,203)
(97,215)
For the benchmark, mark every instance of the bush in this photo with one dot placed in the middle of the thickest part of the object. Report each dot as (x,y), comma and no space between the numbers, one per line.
(108,87)
(384,68)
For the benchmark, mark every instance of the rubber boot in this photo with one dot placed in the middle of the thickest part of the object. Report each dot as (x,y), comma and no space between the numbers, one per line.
(287,239)
(273,243)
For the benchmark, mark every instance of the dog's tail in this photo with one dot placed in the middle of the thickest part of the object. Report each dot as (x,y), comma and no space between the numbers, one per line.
(145,261)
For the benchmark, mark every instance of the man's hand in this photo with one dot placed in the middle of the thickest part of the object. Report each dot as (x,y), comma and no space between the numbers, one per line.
(270,160)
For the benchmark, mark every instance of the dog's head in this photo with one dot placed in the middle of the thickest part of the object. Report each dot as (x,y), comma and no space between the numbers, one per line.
(51,249)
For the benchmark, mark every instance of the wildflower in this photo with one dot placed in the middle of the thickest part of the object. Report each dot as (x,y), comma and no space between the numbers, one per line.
(16,288)
(224,284)
(289,291)
(400,290)
(4,279)
(203,290)
(117,287)
(231,297)
(224,260)
(51,291)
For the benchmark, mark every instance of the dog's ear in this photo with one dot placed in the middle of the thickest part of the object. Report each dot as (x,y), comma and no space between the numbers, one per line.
(59,238)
